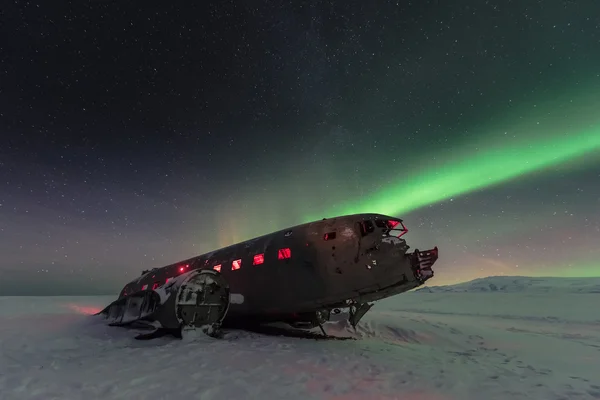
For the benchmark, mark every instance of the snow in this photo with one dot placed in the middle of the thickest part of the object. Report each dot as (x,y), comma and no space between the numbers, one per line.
(530,338)
(521,284)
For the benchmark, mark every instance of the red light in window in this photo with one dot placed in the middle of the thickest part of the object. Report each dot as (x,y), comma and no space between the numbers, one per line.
(397,228)
(155,285)
(217,268)
(181,269)
(236,264)
(258,259)
(145,287)
(167,280)
(284,253)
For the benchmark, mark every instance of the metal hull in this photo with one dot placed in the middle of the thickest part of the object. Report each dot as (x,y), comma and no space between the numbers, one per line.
(301,271)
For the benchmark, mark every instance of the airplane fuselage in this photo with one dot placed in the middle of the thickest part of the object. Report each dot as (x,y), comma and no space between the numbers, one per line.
(316,266)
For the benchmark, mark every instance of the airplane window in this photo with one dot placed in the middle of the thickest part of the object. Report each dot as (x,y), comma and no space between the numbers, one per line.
(217,268)
(329,236)
(155,285)
(236,264)
(284,253)
(258,259)
(145,287)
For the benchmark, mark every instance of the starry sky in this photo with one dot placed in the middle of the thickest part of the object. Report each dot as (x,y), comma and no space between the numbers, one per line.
(136,134)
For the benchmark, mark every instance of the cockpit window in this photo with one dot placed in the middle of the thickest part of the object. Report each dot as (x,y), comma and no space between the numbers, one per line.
(393,227)
(397,228)
(380,224)
(366,227)
(392,224)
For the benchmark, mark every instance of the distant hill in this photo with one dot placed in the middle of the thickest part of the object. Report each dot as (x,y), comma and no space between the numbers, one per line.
(519,284)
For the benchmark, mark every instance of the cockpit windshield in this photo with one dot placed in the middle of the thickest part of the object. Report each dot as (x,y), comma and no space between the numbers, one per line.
(392,227)
(397,228)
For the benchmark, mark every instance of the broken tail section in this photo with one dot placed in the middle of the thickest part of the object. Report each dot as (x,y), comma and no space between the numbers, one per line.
(196,299)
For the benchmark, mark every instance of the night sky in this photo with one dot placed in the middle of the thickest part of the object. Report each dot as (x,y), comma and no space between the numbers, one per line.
(135,134)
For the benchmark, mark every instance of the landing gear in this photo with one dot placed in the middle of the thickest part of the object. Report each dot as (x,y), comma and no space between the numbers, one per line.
(357,311)
(312,320)
(320,318)
(322,330)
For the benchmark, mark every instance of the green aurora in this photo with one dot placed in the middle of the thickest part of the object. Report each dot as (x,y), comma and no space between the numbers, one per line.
(479,128)
(548,145)
(492,165)
(539,146)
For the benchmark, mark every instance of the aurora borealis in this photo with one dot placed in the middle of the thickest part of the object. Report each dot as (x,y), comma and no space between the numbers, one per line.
(491,165)
(177,129)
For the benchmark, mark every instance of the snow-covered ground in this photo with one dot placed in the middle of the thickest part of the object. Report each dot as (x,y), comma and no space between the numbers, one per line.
(496,338)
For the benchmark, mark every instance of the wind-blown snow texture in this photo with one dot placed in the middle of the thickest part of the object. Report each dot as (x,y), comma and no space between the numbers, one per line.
(494,338)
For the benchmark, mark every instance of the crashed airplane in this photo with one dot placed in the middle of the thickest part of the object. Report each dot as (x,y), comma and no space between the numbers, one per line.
(299,276)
